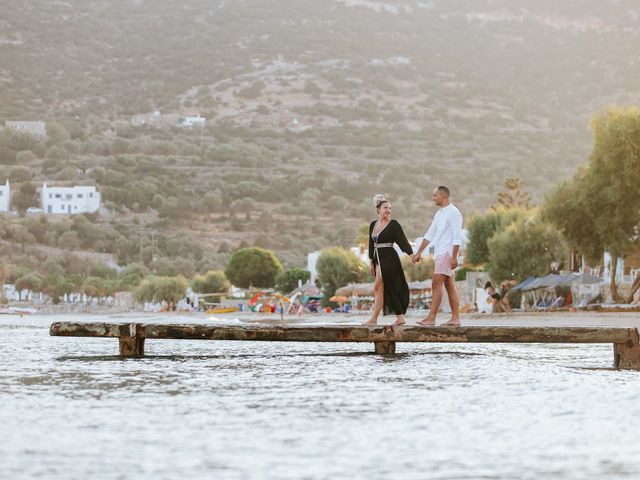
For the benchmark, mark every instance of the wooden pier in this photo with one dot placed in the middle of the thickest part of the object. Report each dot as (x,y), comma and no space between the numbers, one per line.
(131,336)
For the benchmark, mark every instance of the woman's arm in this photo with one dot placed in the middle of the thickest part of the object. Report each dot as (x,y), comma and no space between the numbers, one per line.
(371,241)
(372,270)
(401,240)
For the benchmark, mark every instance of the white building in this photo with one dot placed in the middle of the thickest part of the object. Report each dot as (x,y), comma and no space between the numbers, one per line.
(312,259)
(69,200)
(5,197)
(34,128)
(189,122)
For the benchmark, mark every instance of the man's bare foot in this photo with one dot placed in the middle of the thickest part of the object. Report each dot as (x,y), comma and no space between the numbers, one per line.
(454,322)
(427,322)
(369,323)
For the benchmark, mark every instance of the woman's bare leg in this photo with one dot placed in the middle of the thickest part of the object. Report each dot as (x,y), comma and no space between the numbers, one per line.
(378,289)
(507,307)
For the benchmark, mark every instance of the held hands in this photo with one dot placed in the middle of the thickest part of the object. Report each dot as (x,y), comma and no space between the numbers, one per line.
(415,258)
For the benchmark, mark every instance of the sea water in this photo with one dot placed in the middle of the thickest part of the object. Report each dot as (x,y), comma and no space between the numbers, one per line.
(71,409)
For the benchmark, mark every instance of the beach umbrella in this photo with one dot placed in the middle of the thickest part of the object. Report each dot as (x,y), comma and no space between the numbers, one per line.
(339,299)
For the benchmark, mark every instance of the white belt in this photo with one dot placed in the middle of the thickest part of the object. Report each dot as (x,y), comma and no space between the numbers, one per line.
(382,245)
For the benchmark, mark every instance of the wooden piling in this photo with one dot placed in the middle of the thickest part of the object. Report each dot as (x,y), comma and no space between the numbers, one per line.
(385,348)
(627,355)
(132,345)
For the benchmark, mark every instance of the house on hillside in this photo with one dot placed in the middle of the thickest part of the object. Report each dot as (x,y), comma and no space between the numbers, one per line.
(197,121)
(69,200)
(34,128)
(5,197)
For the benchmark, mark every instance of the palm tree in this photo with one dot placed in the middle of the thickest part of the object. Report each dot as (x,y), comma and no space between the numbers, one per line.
(514,197)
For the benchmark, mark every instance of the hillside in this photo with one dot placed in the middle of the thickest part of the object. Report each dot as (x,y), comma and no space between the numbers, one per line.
(312,108)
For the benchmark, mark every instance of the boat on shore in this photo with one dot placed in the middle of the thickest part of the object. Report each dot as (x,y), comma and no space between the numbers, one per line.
(18,311)
(222,310)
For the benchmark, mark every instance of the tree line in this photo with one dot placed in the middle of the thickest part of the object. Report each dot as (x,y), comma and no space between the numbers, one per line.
(597,210)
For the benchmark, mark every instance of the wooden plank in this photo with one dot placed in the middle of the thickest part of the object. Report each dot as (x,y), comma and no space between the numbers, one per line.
(626,341)
(89,329)
(346,333)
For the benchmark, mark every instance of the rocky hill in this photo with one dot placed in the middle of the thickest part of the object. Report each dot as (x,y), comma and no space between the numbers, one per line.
(311,107)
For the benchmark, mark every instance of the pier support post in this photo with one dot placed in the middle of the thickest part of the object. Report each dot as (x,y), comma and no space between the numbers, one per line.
(385,348)
(132,345)
(626,355)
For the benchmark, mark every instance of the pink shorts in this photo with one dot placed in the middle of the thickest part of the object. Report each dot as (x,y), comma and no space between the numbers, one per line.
(443,265)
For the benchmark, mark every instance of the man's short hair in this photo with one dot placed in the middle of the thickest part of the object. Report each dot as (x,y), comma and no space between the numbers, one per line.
(444,190)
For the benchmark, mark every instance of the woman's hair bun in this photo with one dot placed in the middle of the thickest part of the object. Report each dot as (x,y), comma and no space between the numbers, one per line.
(378,199)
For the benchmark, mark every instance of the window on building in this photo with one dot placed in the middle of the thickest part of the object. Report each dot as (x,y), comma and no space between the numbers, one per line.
(1,192)
(80,195)
(50,196)
(69,196)
(91,194)
(58,195)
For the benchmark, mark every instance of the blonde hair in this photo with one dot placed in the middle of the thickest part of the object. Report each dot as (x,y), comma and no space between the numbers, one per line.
(378,200)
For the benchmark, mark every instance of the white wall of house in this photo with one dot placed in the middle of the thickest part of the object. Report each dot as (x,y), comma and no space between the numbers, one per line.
(193,122)
(5,197)
(69,200)
(312,259)
(34,128)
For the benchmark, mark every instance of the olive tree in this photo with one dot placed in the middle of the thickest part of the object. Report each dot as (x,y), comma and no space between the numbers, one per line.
(253,266)
(337,267)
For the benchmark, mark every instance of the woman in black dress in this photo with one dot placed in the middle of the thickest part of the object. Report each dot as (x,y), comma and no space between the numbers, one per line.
(391,289)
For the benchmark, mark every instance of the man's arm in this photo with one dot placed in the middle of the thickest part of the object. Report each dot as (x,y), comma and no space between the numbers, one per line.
(454,256)
(416,256)
(455,221)
(426,240)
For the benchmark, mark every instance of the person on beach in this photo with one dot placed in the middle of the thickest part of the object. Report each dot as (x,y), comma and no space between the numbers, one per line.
(498,299)
(445,233)
(390,289)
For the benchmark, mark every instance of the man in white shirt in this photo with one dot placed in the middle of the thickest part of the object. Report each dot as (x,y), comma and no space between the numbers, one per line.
(445,234)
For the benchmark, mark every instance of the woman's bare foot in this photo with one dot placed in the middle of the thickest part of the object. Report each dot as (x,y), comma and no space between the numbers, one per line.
(427,322)
(370,322)
(399,321)
(454,322)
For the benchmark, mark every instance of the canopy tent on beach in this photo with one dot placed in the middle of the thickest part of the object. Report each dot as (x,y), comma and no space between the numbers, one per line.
(366,289)
(584,288)
(363,293)
(360,289)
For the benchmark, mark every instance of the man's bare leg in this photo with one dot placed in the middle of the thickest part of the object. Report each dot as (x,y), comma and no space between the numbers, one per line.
(454,302)
(378,289)
(436,300)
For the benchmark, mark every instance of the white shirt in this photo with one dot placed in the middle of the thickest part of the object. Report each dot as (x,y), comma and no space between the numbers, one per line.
(445,230)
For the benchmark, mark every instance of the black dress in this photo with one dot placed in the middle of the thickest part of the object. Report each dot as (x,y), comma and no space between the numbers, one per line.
(396,290)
